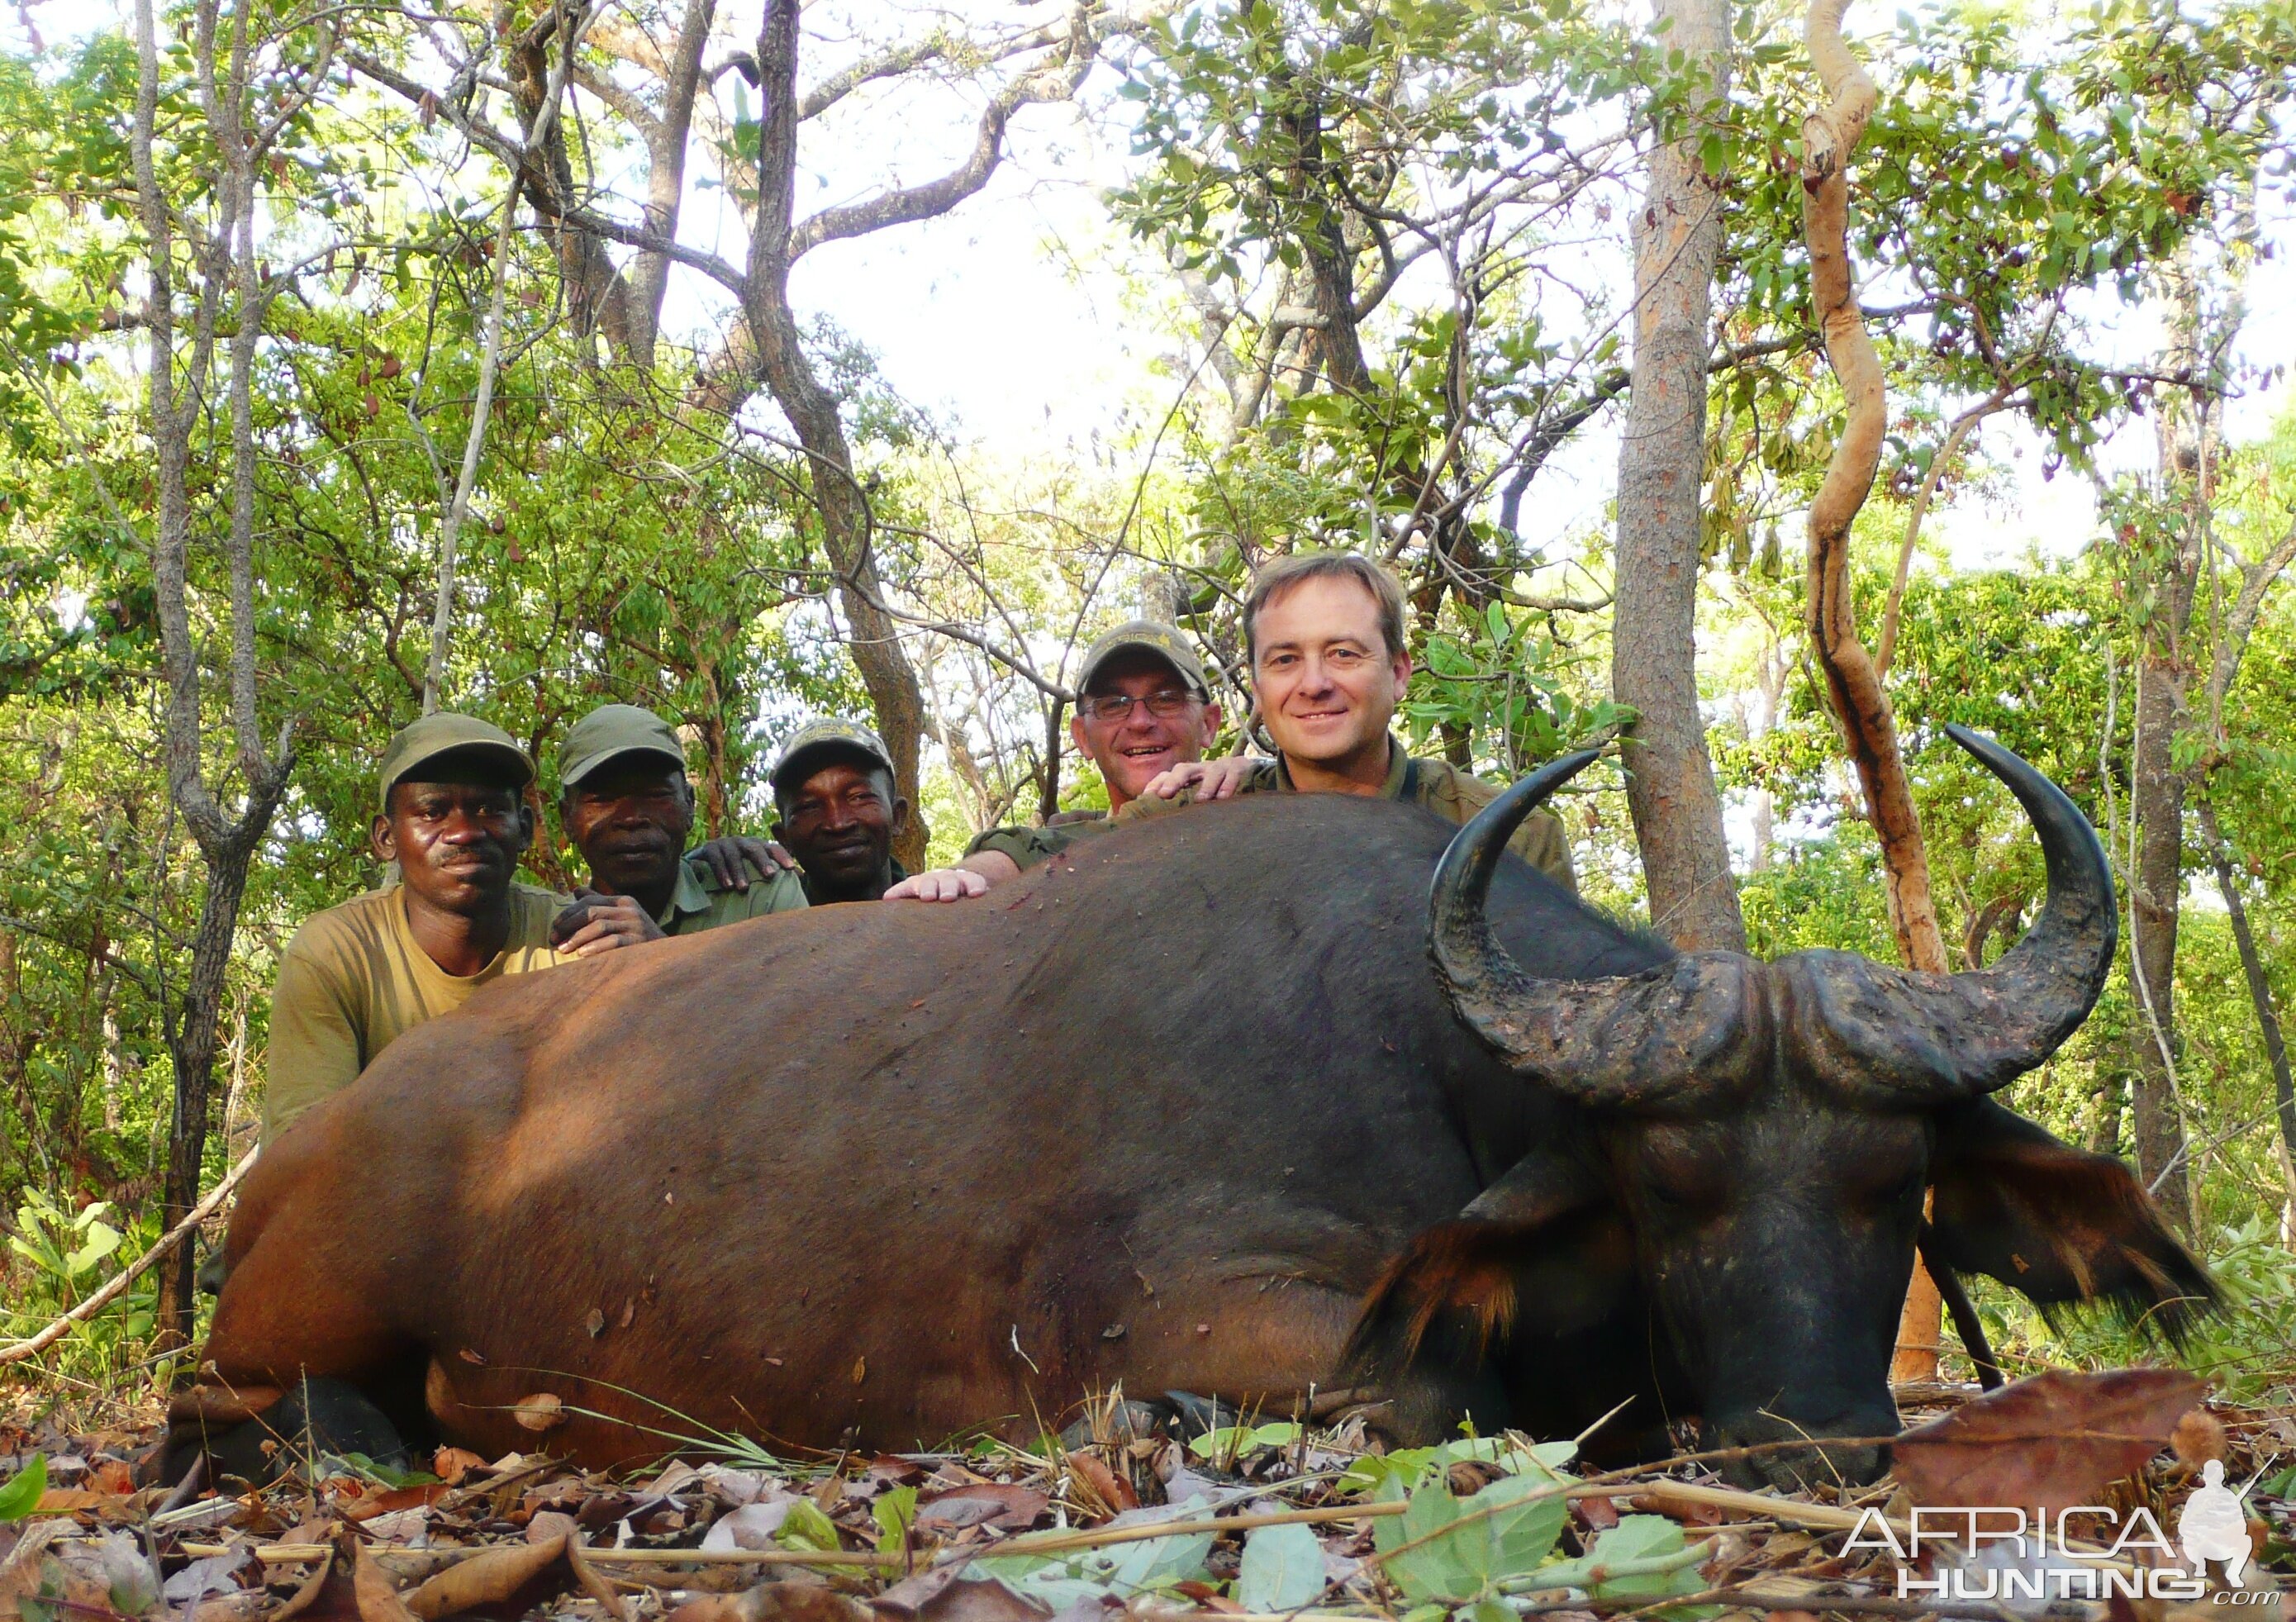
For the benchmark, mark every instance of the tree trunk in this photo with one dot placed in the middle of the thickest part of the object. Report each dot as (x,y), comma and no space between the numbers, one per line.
(1861,704)
(2167,572)
(1671,792)
(193,1029)
(846,523)
(2157,797)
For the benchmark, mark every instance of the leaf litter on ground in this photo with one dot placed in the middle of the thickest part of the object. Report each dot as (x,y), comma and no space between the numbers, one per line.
(1269,1519)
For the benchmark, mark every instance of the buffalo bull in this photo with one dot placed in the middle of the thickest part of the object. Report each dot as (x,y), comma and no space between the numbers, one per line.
(1190,1110)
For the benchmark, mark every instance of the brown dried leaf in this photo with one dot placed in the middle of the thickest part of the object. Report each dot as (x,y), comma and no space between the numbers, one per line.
(540,1412)
(2050,1441)
(1113,1495)
(789,1600)
(944,1595)
(994,1503)
(451,1464)
(485,1580)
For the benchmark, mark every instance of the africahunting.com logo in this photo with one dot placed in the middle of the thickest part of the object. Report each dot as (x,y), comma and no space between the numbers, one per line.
(2006,1555)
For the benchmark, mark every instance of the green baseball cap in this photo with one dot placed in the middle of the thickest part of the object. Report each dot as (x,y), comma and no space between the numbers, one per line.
(829,733)
(445,732)
(1166,641)
(612,730)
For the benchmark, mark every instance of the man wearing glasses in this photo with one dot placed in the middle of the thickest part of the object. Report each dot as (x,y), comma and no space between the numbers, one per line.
(1144,709)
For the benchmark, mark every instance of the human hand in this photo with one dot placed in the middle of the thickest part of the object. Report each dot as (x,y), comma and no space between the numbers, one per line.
(939,884)
(730,859)
(1210,779)
(595,923)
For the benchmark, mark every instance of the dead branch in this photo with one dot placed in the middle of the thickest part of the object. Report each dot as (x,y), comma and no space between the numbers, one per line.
(1853,681)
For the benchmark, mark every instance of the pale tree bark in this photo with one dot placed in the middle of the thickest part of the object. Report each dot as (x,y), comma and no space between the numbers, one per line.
(1670,791)
(224,274)
(562,38)
(2166,577)
(1861,705)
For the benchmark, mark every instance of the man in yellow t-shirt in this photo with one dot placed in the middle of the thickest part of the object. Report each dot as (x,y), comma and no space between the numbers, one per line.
(453,817)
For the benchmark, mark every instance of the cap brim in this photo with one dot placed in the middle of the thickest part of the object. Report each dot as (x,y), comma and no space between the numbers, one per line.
(795,761)
(509,754)
(1091,672)
(580,769)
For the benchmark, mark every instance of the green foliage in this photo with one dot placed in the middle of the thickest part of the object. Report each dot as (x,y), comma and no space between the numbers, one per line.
(20,1497)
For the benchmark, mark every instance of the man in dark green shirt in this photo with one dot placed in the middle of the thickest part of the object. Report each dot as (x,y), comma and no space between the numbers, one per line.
(1324,633)
(840,811)
(627,805)
(1144,708)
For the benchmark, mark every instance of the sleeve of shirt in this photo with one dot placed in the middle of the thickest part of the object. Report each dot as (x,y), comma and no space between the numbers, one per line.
(1023,847)
(1540,842)
(313,1051)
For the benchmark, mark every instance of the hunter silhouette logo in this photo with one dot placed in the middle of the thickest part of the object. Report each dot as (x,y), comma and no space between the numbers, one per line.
(2212,1526)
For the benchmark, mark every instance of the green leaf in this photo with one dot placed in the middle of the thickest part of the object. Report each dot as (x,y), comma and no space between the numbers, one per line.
(807,1528)
(21,1495)
(895,1512)
(1282,1568)
(1443,1548)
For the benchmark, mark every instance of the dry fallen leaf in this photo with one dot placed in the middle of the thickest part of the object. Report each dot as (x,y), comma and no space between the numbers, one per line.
(540,1412)
(992,1503)
(1112,1492)
(2051,1441)
(451,1464)
(485,1580)
(944,1595)
(2199,1436)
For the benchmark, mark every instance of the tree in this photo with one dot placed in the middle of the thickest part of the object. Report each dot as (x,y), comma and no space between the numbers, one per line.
(1677,239)
(253,80)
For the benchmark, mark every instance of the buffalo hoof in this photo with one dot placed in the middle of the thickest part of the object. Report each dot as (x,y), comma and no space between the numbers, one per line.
(1790,1457)
(315,1419)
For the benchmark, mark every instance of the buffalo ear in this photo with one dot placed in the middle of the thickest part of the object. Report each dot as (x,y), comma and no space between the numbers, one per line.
(2057,1223)
(1543,1251)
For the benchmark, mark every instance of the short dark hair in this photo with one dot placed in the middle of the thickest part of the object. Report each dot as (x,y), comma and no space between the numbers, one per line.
(1276,578)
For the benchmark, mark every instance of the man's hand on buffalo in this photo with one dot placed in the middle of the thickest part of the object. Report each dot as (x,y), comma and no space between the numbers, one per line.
(1210,779)
(730,859)
(595,923)
(944,884)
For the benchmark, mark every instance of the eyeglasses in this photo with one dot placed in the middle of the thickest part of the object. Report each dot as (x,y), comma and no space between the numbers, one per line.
(1164,704)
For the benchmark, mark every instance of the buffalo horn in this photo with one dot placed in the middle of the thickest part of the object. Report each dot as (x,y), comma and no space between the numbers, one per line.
(1925,1038)
(1632,1040)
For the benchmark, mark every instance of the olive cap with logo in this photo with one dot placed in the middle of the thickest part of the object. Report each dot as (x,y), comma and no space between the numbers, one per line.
(610,732)
(825,735)
(1166,641)
(445,732)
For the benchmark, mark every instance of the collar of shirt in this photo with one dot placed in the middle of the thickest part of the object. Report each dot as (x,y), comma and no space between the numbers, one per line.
(1398,770)
(688,896)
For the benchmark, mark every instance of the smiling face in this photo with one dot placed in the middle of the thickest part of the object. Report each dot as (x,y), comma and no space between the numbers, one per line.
(630,818)
(1132,747)
(840,822)
(456,834)
(1328,683)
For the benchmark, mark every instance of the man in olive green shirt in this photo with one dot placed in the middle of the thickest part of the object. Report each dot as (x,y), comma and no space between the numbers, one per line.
(1324,633)
(1144,708)
(355,977)
(627,805)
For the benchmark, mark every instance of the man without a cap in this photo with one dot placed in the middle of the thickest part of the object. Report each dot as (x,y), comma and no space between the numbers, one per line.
(839,811)
(627,805)
(1143,709)
(451,812)
(1323,631)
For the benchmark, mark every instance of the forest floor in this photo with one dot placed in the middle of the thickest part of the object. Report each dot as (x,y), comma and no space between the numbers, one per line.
(1260,1520)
